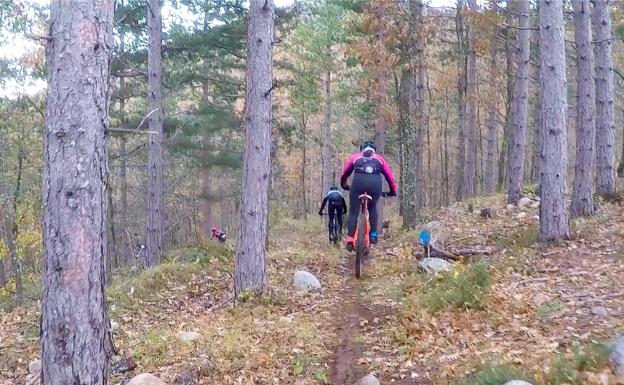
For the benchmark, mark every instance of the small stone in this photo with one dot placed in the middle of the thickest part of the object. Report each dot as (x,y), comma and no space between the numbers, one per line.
(146,379)
(304,280)
(524,202)
(600,311)
(521,215)
(368,380)
(259,311)
(434,265)
(188,336)
(34,367)
(285,320)
(114,327)
(535,205)
(510,207)
(517,382)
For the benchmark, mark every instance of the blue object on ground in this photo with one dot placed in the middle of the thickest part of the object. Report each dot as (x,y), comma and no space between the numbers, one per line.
(425,237)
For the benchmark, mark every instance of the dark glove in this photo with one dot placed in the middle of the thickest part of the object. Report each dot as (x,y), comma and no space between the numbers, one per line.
(320,213)
(392,194)
(346,187)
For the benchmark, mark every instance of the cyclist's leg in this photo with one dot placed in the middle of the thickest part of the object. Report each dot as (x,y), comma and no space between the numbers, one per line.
(354,207)
(331,214)
(374,190)
(339,211)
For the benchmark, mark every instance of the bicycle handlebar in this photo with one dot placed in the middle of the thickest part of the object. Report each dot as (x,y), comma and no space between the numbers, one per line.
(385,194)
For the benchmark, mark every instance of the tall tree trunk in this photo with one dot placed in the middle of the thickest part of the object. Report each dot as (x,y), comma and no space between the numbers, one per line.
(381,125)
(250,267)
(445,164)
(326,134)
(537,119)
(126,250)
(304,161)
(155,193)
(417,93)
(620,170)
(205,203)
(470,170)
(605,159)
(75,340)
(492,124)
(554,218)
(406,178)
(503,153)
(14,230)
(461,100)
(582,195)
(407,166)
(519,108)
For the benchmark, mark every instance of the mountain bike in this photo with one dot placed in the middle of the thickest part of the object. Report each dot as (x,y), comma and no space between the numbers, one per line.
(332,227)
(362,232)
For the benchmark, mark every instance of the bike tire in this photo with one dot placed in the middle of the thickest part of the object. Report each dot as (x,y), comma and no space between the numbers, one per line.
(360,246)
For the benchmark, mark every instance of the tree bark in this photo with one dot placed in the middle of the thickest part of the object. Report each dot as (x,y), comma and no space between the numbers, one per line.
(407,167)
(417,94)
(250,267)
(155,194)
(605,159)
(304,161)
(582,195)
(492,124)
(75,340)
(519,108)
(461,100)
(326,134)
(470,170)
(503,154)
(554,219)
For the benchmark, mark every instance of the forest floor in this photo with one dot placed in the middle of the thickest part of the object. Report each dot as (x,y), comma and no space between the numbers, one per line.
(545,313)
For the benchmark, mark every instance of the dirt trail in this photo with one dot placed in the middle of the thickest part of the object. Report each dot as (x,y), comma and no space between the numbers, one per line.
(354,322)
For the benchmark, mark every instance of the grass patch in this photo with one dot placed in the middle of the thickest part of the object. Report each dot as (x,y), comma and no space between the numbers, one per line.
(465,289)
(520,239)
(496,374)
(151,348)
(588,357)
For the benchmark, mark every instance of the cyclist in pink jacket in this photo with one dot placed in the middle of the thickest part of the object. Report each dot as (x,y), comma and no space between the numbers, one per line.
(367,167)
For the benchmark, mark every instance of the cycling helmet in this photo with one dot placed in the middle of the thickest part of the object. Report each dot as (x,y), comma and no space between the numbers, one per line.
(214,229)
(368,148)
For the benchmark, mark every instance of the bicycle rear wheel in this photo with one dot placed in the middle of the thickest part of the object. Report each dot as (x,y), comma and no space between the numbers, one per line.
(360,246)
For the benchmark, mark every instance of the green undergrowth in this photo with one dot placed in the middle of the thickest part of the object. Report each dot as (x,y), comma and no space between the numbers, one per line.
(467,287)
(462,288)
(178,269)
(559,369)
(496,374)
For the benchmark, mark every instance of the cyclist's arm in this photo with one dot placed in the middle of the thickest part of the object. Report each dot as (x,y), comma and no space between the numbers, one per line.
(387,172)
(347,170)
(323,205)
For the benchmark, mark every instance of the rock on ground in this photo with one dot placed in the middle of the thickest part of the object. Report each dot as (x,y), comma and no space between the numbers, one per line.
(517,382)
(600,311)
(524,202)
(34,367)
(146,379)
(617,356)
(188,336)
(304,280)
(434,265)
(368,380)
